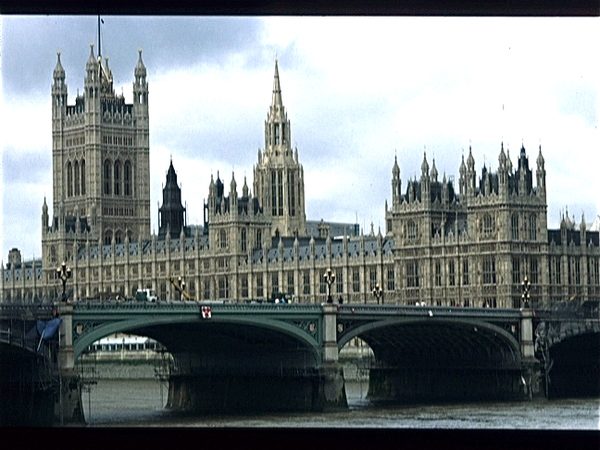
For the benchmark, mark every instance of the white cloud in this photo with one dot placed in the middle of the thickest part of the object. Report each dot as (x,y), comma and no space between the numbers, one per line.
(357,92)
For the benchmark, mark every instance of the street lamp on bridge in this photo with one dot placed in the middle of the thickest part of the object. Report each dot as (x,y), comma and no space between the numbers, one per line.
(378,293)
(329,279)
(64,273)
(526,285)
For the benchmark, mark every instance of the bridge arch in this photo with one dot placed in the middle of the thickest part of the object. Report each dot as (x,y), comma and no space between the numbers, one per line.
(486,338)
(141,325)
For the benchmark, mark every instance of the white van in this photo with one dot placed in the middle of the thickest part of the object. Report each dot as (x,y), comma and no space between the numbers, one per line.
(146,295)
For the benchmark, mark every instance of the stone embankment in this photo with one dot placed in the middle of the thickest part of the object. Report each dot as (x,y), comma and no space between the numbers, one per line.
(148,364)
(125,365)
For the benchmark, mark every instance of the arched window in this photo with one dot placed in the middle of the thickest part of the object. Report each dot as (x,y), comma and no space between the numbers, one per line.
(514,223)
(69,179)
(83,177)
(76,178)
(258,239)
(117,190)
(107,237)
(412,230)
(532,228)
(223,239)
(243,239)
(119,237)
(107,177)
(127,179)
(488,224)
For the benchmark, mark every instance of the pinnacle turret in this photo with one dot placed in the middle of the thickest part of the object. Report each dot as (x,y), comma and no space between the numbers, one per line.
(425,165)
(396,168)
(59,71)
(470,160)
(276,102)
(140,68)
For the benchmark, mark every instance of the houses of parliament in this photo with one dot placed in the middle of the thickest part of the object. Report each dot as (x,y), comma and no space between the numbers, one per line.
(469,245)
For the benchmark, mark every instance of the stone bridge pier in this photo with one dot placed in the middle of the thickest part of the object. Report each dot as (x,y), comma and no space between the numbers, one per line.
(530,366)
(69,407)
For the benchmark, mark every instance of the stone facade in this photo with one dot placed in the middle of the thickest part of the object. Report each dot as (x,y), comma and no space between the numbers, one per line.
(474,247)
(470,246)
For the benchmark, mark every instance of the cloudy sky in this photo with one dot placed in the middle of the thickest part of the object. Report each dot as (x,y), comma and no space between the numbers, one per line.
(358,91)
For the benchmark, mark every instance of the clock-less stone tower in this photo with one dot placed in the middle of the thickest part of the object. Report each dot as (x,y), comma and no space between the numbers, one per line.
(100,164)
(278,176)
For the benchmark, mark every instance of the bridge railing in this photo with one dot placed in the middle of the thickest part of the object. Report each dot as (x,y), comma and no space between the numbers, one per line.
(20,311)
(187,306)
(432,311)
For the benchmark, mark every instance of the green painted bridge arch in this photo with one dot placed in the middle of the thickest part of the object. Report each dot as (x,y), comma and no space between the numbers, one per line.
(408,335)
(173,323)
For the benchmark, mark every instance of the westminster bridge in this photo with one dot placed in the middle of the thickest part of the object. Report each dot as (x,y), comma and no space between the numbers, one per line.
(250,356)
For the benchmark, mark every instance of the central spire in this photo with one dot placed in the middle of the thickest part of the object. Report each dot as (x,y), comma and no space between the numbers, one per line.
(276,88)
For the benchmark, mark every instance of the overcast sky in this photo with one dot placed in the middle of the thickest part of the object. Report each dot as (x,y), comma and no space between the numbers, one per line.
(357,91)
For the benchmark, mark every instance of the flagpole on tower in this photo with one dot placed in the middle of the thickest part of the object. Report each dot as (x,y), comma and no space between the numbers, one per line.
(99,42)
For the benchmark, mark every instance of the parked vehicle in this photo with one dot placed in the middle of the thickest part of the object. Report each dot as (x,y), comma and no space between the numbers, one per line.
(146,295)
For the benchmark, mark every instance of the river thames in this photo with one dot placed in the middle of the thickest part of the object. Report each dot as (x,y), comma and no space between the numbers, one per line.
(139,403)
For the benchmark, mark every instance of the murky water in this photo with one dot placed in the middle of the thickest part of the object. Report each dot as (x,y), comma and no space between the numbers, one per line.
(135,403)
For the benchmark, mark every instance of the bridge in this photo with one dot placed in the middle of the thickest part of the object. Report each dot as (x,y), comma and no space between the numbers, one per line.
(29,377)
(241,356)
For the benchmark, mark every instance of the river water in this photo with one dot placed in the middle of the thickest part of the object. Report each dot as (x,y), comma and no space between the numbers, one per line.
(133,403)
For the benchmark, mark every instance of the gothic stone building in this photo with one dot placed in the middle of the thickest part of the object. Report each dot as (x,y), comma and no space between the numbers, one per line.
(470,246)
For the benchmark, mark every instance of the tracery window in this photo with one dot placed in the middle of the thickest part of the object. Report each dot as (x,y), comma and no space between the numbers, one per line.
(514,223)
(532,228)
(69,179)
(489,270)
(488,224)
(127,179)
(412,230)
(107,177)
(117,189)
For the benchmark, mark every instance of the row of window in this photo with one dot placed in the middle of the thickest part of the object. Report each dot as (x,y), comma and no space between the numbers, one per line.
(275,134)
(118,178)
(277,198)
(486,227)
(413,276)
(573,270)
(75,178)
(75,141)
(530,231)
(222,239)
(119,237)
(126,141)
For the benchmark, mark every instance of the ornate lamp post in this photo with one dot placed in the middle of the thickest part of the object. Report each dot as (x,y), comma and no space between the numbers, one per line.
(64,273)
(526,285)
(378,293)
(329,278)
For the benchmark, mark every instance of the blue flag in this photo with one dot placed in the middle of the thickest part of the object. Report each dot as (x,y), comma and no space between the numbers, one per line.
(47,329)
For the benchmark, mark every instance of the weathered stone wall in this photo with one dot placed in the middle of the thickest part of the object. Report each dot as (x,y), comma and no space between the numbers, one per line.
(239,393)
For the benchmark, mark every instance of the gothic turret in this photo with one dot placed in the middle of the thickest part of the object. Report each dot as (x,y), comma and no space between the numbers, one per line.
(172,211)
(59,90)
(140,91)
(541,175)
(278,176)
(462,181)
(434,172)
(470,173)
(45,218)
(396,183)
(425,181)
